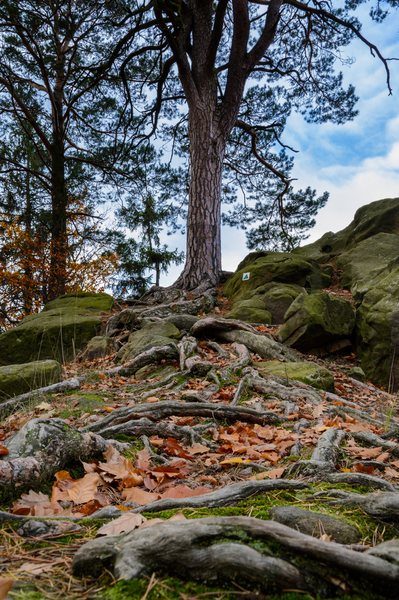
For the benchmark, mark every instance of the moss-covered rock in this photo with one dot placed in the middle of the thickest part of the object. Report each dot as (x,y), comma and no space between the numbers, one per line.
(307,372)
(251,311)
(377,328)
(315,320)
(58,333)
(159,333)
(81,303)
(260,268)
(98,347)
(370,254)
(19,379)
(315,524)
(357,373)
(381,216)
(279,297)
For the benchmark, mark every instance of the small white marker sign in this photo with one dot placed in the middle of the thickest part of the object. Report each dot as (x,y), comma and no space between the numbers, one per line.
(246,276)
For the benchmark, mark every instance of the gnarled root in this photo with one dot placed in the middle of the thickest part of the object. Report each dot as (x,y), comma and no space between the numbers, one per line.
(41,448)
(284,557)
(164,409)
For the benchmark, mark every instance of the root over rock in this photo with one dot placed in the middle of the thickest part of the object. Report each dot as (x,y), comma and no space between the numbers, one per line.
(243,548)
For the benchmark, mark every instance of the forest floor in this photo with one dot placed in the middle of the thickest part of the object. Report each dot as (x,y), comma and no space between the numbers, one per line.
(163,466)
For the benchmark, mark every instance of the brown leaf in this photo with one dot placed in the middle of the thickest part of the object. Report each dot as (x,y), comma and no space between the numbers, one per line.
(174,448)
(197,449)
(391,472)
(90,467)
(151,522)
(5,586)
(29,503)
(35,568)
(91,507)
(84,489)
(383,457)
(367,452)
(139,496)
(4,450)
(126,522)
(273,474)
(156,441)
(183,491)
(319,409)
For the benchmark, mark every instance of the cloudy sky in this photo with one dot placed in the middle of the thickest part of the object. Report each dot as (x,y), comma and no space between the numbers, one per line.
(357,162)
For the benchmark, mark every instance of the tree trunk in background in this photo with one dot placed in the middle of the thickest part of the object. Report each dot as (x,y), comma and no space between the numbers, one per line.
(58,223)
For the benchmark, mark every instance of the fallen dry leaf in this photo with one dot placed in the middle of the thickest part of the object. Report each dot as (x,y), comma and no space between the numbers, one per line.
(273,474)
(139,496)
(197,449)
(35,568)
(125,523)
(30,502)
(174,448)
(183,491)
(366,452)
(84,489)
(319,409)
(391,473)
(6,584)
(4,450)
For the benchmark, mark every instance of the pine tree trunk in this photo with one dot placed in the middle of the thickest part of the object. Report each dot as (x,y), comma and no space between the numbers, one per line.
(57,280)
(58,266)
(207,147)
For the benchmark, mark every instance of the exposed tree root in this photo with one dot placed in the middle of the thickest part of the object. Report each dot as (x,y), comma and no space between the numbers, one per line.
(164,409)
(145,426)
(152,356)
(324,456)
(227,496)
(11,406)
(283,557)
(61,444)
(382,505)
(270,387)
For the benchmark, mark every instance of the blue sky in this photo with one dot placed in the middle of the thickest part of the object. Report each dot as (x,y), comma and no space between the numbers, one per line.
(357,162)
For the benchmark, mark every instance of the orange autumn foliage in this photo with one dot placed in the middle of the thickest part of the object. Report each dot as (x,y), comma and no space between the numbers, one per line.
(25,263)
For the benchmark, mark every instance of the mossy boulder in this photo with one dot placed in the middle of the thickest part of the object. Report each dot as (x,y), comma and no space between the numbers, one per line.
(315,320)
(278,298)
(81,303)
(19,379)
(260,268)
(357,373)
(251,311)
(159,333)
(377,328)
(307,372)
(98,347)
(315,524)
(381,216)
(370,255)
(58,333)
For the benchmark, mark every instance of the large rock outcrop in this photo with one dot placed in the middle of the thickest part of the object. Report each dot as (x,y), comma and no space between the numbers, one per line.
(367,254)
(18,379)
(58,333)
(260,268)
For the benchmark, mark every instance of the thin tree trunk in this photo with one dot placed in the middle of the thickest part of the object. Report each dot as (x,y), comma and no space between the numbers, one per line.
(58,273)
(57,280)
